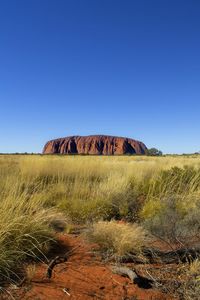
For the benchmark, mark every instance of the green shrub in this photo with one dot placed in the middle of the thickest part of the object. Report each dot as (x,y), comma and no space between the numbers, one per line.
(172,208)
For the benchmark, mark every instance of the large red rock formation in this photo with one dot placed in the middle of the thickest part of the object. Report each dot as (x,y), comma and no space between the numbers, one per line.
(94,144)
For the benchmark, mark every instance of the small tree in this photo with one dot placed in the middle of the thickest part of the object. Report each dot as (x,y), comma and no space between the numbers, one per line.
(154,152)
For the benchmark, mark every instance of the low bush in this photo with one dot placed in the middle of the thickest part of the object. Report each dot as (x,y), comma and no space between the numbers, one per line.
(172,207)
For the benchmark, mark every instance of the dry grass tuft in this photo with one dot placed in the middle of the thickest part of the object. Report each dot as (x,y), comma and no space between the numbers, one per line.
(117,238)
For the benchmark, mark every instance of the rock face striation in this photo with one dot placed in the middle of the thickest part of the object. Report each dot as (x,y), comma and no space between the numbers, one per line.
(94,145)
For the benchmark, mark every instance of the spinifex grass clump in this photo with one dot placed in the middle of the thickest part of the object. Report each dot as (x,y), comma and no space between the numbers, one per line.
(24,230)
(118,239)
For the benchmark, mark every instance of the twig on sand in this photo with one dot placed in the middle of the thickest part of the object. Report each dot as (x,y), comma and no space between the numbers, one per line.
(66,292)
(57,260)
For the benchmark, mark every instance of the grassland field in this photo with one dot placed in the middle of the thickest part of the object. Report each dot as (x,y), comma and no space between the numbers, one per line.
(160,195)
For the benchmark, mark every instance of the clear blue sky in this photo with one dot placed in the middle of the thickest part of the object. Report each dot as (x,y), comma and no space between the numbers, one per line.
(78,67)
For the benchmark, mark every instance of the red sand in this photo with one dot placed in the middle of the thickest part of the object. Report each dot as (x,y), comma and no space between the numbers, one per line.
(84,276)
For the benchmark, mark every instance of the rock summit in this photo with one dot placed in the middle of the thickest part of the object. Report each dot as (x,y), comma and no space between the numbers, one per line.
(94,145)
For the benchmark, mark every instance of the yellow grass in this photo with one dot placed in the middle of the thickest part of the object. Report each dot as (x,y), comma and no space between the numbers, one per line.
(85,189)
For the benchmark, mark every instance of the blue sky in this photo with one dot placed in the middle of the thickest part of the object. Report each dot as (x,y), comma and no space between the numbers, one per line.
(79,67)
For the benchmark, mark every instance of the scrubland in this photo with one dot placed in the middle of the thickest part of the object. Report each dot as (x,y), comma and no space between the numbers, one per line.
(149,197)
